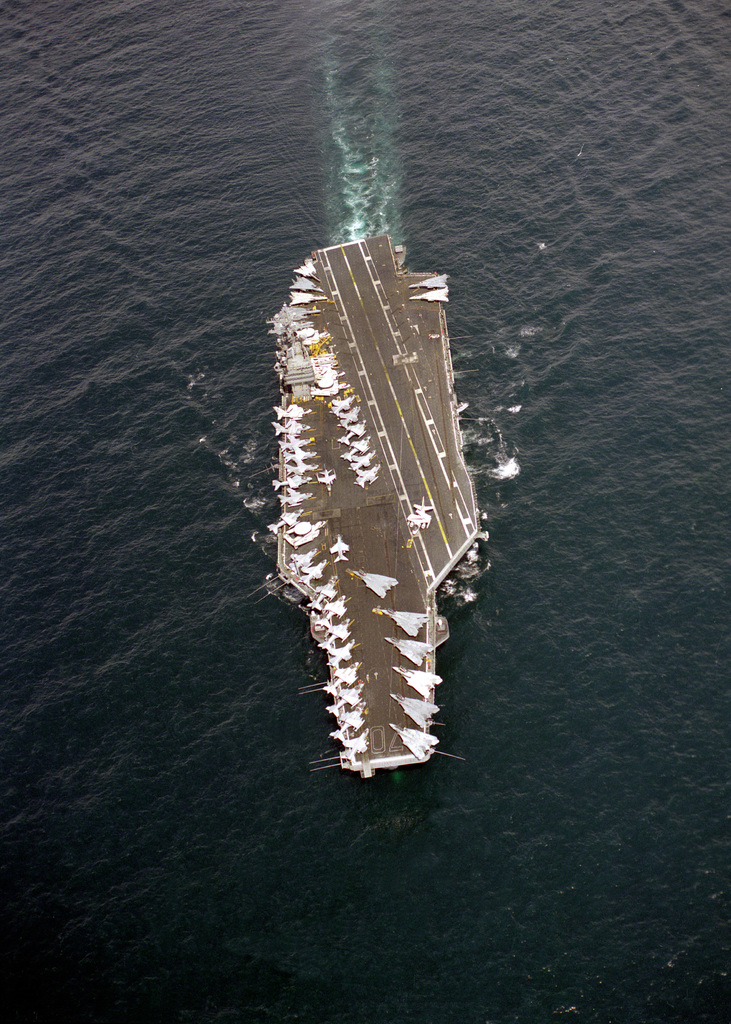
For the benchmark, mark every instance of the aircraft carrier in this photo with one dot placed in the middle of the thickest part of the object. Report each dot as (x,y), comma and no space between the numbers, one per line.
(377,506)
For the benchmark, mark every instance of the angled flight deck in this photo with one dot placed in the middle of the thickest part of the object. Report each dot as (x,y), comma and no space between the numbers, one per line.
(377,504)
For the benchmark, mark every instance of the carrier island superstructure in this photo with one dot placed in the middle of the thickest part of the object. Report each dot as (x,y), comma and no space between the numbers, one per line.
(377,506)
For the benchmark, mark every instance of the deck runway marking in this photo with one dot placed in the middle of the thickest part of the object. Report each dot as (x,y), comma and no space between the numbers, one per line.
(395,399)
(422,553)
(417,390)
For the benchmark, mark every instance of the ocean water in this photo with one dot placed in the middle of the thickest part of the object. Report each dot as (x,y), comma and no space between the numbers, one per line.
(167,854)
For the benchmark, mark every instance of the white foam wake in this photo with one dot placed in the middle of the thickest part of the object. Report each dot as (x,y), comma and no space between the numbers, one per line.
(506,469)
(363,179)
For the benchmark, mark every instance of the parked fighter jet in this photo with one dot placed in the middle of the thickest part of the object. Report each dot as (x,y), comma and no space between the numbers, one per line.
(435,295)
(307,269)
(314,573)
(422,682)
(376,582)
(369,477)
(359,745)
(348,416)
(351,696)
(304,284)
(329,591)
(343,653)
(339,630)
(341,404)
(336,608)
(296,497)
(419,743)
(438,281)
(326,478)
(303,298)
(346,675)
(362,461)
(339,550)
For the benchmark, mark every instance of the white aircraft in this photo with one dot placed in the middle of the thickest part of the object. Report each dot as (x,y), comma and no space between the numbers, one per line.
(343,653)
(351,696)
(295,541)
(348,456)
(303,562)
(297,497)
(329,591)
(314,572)
(288,427)
(420,711)
(376,582)
(305,284)
(328,644)
(297,451)
(352,719)
(423,682)
(303,298)
(341,404)
(369,477)
(303,462)
(419,519)
(414,650)
(290,518)
(291,412)
(293,482)
(419,743)
(349,416)
(339,630)
(358,429)
(410,622)
(307,269)
(326,478)
(438,281)
(301,465)
(336,608)
(362,461)
(361,446)
(359,745)
(417,522)
(349,676)
(292,441)
(339,549)
(435,295)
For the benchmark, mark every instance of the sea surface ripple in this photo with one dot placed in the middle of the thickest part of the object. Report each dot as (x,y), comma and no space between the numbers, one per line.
(168,855)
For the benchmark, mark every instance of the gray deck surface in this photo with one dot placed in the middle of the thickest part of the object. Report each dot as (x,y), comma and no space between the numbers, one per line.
(394,354)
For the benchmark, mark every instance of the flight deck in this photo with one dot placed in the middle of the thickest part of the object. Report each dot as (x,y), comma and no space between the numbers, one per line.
(377,503)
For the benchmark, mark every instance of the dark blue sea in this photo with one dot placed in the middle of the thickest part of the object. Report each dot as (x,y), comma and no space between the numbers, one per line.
(168,856)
